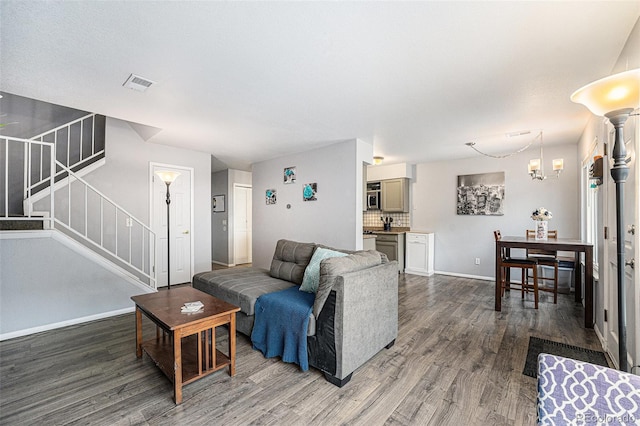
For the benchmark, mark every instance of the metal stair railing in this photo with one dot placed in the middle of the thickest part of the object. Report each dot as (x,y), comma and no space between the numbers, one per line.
(81,211)
(46,150)
(56,136)
(105,225)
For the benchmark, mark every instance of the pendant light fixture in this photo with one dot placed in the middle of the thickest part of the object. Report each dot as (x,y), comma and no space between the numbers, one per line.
(536,166)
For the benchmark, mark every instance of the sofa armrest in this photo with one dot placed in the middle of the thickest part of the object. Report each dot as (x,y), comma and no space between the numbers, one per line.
(366,315)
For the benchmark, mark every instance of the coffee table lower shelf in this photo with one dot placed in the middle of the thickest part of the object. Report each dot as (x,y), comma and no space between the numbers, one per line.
(160,350)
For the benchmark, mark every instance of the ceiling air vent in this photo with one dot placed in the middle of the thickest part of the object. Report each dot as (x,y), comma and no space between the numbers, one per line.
(138,83)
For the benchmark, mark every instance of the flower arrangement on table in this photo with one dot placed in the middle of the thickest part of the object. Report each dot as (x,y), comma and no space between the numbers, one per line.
(541,214)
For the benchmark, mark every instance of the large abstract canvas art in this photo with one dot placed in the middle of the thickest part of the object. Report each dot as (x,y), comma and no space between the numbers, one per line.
(481,194)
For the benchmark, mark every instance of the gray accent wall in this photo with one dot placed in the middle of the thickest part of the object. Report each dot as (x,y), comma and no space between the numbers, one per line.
(220,228)
(460,239)
(335,219)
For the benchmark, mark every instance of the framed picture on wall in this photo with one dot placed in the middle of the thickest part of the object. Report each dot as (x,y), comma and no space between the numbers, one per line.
(218,203)
(309,191)
(271,196)
(289,175)
(481,194)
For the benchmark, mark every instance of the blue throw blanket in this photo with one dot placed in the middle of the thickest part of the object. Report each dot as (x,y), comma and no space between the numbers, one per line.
(280,327)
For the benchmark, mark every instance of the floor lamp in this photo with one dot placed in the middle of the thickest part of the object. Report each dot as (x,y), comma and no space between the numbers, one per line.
(615,97)
(168,177)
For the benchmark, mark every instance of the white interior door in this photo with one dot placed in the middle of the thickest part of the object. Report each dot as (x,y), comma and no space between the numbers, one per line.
(180,221)
(631,212)
(242,224)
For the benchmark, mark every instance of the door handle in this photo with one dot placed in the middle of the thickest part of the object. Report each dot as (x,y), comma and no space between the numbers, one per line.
(631,229)
(185,232)
(631,263)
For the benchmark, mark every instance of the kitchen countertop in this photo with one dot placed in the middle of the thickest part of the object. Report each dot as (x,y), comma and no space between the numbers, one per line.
(369,236)
(394,231)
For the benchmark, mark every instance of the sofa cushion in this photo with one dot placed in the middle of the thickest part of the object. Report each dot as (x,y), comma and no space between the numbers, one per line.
(570,390)
(290,260)
(383,257)
(239,286)
(331,269)
(312,272)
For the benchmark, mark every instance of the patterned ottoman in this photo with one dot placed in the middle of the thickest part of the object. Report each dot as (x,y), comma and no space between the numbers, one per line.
(573,392)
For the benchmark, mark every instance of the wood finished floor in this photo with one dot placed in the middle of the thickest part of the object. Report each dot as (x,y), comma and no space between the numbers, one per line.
(456,362)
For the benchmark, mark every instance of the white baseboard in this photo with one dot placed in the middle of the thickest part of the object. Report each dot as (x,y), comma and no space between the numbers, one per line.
(415,272)
(229,265)
(600,337)
(47,327)
(456,274)
(609,352)
(8,235)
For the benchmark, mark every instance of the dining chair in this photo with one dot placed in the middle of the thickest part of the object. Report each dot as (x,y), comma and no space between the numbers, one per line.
(524,264)
(546,257)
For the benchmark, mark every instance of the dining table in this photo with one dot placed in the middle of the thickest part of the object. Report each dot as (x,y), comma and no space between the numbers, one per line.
(577,246)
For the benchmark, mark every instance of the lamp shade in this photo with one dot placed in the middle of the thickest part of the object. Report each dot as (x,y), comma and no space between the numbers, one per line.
(558,164)
(613,93)
(377,160)
(167,176)
(534,165)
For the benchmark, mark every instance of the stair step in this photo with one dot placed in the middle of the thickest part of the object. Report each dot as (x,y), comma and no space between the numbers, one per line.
(21,225)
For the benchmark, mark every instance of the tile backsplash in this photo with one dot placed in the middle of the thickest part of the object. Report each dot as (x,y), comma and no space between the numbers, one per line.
(371,218)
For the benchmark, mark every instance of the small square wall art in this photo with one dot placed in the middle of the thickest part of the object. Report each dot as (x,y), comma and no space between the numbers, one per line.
(309,191)
(270,196)
(289,175)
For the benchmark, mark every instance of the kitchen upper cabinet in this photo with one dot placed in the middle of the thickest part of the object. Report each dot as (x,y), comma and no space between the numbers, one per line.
(395,195)
(391,171)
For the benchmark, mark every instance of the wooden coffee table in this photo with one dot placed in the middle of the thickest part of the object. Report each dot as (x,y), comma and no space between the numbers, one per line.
(186,350)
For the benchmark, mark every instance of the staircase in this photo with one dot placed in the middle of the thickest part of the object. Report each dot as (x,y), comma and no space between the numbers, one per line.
(42,188)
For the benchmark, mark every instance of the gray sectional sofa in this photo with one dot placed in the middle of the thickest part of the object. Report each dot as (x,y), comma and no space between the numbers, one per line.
(355,312)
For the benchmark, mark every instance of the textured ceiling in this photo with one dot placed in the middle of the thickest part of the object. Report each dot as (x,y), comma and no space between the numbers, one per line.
(248,81)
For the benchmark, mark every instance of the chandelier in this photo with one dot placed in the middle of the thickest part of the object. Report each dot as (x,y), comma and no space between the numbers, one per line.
(535,167)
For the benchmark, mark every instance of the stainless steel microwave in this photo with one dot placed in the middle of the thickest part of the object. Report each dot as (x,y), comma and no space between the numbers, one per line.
(373,200)
(373,196)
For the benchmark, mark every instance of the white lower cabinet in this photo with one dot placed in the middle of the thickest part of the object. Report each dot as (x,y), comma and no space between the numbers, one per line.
(419,253)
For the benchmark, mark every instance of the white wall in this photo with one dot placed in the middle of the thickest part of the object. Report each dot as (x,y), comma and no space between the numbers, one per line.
(335,219)
(45,283)
(125,179)
(364,157)
(460,239)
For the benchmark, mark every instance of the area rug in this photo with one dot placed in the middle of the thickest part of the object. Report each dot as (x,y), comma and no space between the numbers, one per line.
(537,346)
